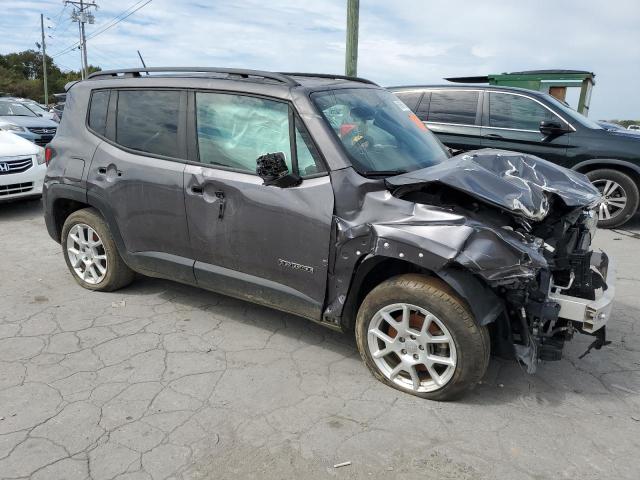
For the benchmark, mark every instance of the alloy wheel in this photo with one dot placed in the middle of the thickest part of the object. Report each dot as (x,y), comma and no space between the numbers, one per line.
(614,198)
(86,253)
(412,347)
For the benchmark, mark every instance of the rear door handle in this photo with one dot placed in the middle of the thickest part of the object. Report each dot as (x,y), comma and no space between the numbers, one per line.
(493,135)
(103,171)
(197,190)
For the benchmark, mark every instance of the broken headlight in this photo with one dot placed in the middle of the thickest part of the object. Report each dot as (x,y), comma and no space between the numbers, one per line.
(590,221)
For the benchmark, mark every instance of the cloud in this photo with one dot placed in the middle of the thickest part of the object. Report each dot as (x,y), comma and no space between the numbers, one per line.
(400,42)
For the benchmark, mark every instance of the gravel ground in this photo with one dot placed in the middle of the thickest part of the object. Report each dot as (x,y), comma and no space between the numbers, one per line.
(161,380)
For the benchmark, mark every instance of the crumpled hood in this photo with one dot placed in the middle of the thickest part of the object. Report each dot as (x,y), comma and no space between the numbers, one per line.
(517,182)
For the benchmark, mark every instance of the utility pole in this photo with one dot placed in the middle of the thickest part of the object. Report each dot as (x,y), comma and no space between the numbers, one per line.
(44,61)
(80,49)
(82,15)
(84,41)
(351,58)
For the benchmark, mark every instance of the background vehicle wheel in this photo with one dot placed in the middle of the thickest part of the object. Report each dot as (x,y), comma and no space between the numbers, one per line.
(415,335)
(621,196)
(91,253)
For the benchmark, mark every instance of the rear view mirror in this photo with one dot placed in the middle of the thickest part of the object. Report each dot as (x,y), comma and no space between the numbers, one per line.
(552,128)
(273,169)
(363,113)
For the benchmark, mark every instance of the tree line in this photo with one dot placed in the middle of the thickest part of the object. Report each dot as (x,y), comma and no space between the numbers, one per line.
(21,76)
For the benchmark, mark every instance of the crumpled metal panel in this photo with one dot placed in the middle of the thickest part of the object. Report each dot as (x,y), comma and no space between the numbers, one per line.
(517,182)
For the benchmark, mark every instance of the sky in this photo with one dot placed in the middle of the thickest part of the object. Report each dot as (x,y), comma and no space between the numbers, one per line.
(401,42)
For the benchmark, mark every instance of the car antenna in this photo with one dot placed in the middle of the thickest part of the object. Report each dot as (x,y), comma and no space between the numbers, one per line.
(142,60)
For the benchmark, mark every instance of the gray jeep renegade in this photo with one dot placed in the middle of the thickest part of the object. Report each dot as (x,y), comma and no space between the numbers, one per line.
(325,197)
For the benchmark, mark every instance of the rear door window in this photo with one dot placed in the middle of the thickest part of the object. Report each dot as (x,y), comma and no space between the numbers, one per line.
(453,106)
(98,111)
(147,121)
(517,112)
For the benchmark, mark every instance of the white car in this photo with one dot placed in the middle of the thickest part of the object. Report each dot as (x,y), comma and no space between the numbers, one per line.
(633,127)
(22,167)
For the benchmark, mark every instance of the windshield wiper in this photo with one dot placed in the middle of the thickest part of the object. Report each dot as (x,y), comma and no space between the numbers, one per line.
(382,173)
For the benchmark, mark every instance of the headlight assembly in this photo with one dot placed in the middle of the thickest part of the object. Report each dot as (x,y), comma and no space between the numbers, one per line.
(10,127)
(40,156)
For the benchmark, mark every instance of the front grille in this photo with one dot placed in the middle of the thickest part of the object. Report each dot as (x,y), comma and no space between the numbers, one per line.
(15,166)
(43,131)
(15,188)
(43,140)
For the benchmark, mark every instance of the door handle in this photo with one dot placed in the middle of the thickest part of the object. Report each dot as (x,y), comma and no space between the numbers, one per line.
(104,170)
(197,190)
(222,201)
(493,135)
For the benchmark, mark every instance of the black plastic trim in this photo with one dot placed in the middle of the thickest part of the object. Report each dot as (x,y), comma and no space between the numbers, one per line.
(243,73)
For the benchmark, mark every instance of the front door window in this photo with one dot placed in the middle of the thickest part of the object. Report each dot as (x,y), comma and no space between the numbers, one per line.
(234,130)
(517,112)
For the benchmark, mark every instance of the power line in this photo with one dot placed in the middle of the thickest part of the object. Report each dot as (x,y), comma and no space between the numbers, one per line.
(58,64)
(66,28)
(57,20)
(95,34)
(111,23)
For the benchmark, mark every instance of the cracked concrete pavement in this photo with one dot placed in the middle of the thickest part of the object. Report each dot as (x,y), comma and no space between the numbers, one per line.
(161,380)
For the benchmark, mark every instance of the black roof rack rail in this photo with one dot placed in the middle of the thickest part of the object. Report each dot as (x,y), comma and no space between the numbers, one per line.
(136,72)
(330,76)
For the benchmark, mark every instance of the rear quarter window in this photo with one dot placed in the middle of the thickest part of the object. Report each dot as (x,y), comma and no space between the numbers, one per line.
(98,111)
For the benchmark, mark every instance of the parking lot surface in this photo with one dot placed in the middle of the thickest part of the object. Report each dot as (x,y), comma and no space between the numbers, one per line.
(161,380)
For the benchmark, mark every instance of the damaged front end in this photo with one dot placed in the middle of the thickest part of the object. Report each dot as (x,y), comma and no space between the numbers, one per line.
(511,233)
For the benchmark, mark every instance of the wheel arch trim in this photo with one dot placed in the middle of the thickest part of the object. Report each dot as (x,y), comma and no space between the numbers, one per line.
(586,165)
(481,300)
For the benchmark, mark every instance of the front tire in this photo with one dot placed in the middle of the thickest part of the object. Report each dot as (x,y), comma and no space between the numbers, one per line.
(620,196)
(415,335)
(91,254)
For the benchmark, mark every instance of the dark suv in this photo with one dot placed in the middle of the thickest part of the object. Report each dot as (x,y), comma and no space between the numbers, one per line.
(325,197)
(472,117)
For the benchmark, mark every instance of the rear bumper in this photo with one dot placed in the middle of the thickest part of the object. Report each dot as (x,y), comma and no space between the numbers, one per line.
(592,314)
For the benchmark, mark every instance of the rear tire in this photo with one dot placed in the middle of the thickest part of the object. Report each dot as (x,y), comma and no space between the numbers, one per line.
(399,347)
(91,254)
(621,196)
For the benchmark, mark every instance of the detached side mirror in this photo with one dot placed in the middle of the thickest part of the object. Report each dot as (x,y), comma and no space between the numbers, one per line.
(273,169)
(552,128)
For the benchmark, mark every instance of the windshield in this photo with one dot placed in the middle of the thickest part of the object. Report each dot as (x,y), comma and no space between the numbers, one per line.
(379,132)
(35,107)
(15,109)
(573,114)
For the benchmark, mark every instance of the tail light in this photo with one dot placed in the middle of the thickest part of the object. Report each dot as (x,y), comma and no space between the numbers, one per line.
(49,153)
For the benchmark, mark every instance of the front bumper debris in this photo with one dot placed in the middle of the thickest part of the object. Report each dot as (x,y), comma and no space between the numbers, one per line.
(591,314)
